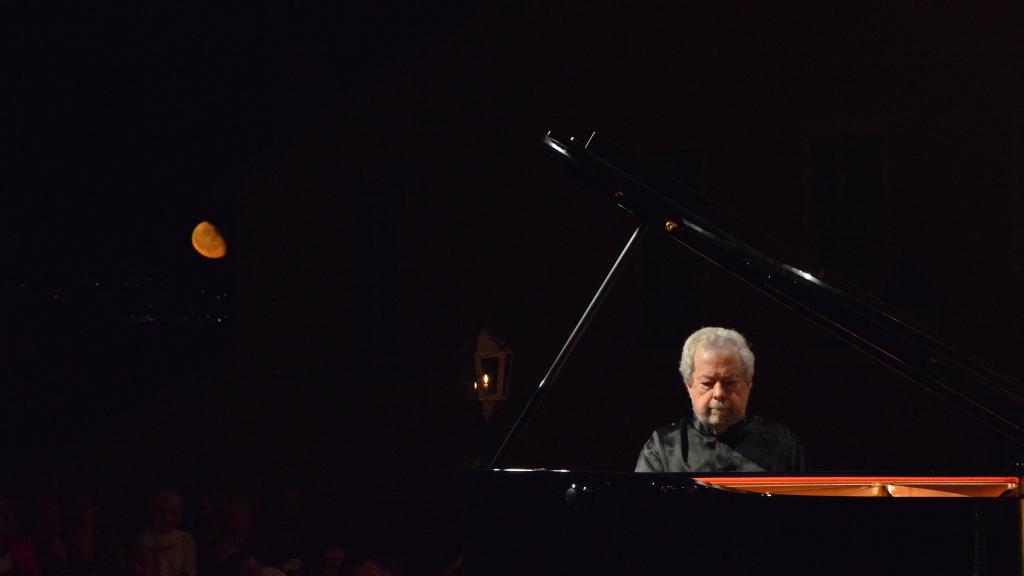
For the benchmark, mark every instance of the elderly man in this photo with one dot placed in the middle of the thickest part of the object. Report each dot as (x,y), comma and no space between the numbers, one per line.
(718,369)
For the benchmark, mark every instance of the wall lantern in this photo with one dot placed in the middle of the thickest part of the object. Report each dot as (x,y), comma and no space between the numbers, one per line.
(493,369)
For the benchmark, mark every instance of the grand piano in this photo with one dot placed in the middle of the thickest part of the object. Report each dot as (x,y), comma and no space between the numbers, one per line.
(915,450)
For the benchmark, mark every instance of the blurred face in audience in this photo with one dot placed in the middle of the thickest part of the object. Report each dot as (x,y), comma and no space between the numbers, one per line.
(50,519)
(83,510)
(251,567)
(334,556)
(236,519)
(166,513)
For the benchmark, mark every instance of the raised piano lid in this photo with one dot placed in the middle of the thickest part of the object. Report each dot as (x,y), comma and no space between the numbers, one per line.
(863,389)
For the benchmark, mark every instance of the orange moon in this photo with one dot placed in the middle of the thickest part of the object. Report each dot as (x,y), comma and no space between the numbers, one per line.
(207,240)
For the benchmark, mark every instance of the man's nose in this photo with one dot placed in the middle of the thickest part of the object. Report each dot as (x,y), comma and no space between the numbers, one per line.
(719,390)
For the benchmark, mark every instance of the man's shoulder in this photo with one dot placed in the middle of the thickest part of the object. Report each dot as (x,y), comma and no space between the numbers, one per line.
(664,450)
(764,426)
(675,426)
(668,434)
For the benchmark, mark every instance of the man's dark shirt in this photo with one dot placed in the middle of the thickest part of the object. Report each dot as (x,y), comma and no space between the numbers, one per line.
(752,445)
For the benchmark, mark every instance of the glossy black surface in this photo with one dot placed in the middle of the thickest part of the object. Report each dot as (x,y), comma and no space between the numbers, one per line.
(544,522)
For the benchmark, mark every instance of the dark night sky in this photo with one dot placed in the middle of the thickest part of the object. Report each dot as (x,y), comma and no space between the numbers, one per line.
(378,172)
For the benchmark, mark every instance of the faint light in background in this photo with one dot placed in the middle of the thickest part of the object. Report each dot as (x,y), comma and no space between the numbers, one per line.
(208,241)
(493,367)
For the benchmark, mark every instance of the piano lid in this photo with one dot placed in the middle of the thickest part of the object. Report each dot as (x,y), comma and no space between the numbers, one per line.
(865,390)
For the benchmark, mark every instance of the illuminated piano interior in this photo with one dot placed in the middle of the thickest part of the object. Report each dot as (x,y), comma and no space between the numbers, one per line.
(870,486)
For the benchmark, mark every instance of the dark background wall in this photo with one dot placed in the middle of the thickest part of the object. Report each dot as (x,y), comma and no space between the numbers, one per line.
(378,174)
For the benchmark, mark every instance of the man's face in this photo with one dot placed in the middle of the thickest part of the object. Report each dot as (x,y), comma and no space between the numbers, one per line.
(720,388)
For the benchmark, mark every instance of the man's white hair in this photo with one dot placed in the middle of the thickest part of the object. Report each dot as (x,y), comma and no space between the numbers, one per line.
(715,338)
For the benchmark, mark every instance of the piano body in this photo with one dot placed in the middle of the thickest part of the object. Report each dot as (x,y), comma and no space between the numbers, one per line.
(914,448)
